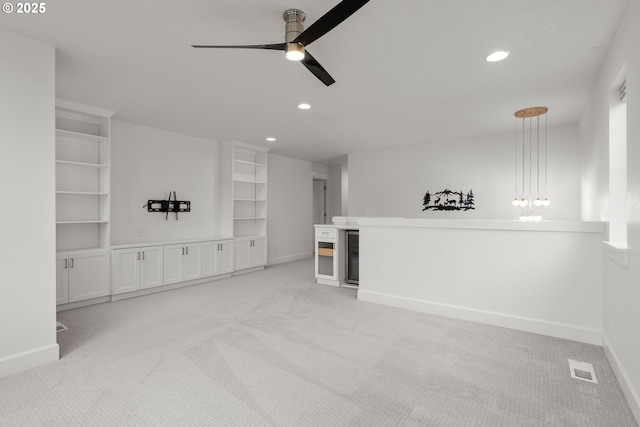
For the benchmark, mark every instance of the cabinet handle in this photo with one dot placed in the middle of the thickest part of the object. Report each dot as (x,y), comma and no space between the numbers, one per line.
(138,256)
(143,255)
(182,251)
(187,248)
(71,262)
(66,263)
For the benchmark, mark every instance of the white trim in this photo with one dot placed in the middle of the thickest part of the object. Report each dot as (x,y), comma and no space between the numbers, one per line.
(169,287)
(617,253)
(318,175)
(76,106)
(19,362)
(289,258)
(633,398)
(536,326)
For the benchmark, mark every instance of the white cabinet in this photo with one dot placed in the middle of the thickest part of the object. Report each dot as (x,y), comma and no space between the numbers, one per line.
(250,252)
(137,268)
(81,276)
(327,256)
(217,257)
(182,262)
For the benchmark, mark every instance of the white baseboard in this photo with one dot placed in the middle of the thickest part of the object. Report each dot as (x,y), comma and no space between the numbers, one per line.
(621,374)
(289,258)
(19,362)
(537,326)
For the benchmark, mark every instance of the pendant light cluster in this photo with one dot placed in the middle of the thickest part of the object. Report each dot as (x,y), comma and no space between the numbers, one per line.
(531,145)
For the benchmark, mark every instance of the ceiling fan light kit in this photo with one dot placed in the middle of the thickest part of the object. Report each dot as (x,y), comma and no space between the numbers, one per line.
(294,52)
(297,38)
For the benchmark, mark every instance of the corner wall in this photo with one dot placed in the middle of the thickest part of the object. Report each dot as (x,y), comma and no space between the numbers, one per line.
(27,229)
(621,283)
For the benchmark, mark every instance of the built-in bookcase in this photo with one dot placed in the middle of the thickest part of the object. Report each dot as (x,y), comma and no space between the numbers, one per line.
(243,213)
(82,177)
(249,192)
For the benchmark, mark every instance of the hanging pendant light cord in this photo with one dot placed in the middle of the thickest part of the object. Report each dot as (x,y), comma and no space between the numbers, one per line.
(545,155)
(538,159)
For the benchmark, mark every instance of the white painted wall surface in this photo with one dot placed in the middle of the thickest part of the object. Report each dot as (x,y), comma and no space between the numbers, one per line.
(505,274)
(146,164)
(290,206)
(392,182)
(621,284)
(27,229)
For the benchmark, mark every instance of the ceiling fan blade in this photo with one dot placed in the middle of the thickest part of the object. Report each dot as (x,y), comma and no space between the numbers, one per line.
(329,21)
(276,46)
(317,69)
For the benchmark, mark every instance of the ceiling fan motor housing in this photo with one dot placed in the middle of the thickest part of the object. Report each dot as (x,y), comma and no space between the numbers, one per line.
(294,19)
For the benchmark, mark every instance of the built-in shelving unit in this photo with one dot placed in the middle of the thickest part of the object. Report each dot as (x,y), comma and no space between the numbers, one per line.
(82,176)
(82,201)
(245,182)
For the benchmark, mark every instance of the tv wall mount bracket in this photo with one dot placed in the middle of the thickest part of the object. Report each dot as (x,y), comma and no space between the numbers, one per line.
(169,205)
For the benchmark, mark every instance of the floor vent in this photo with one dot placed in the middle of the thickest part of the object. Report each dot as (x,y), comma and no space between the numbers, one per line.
(60,327)
(582,371)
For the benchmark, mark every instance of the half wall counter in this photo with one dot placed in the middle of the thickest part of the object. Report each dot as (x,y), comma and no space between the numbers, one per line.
(542,277)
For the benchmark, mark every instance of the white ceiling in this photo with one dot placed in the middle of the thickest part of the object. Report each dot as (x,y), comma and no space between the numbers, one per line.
(406,72)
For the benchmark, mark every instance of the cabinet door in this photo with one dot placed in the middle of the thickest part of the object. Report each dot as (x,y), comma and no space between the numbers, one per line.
(151,266)
(224,257)
(88,275)
(257,252)
(173,255)
(209,258)
(126,270)
(241,254)
(62,279)
(192,260)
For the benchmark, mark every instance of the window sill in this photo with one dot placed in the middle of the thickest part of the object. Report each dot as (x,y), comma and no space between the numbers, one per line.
(617,252)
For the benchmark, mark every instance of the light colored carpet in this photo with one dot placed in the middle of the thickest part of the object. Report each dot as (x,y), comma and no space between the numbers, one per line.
(274,348)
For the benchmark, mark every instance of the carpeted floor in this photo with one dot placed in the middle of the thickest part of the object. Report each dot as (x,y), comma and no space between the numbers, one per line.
(275,349)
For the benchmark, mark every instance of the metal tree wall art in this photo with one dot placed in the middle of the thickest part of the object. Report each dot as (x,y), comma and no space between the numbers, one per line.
(447,200)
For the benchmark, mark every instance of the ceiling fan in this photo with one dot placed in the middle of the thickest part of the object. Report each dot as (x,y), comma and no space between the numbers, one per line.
(297,38)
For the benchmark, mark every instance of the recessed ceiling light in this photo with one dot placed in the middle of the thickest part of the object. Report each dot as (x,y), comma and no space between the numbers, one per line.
(271,139)
(497,56)
(304,106)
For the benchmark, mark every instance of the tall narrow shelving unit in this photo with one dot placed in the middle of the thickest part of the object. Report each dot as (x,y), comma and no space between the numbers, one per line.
(246,187)
(82,200)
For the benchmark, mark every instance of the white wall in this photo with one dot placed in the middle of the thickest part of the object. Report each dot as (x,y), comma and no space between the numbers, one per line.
(146,164)
(27,229)
(507,273)
(290,206)
(621,284)
(392,182)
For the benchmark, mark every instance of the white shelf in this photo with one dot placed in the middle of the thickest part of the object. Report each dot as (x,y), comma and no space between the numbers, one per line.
(250,181)
(80,136)
(248,163)
(249,218)
(249,200)
(89,221)
(81,164)
(82,193)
